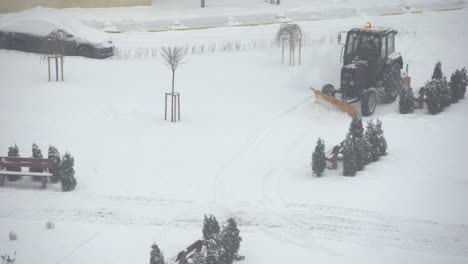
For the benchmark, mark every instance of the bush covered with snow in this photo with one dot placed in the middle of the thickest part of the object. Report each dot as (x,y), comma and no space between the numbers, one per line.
(54,155)
(13,151)
(68,173)
(13,235)
(406,101)
(156,255)
(319,162)
(210,227)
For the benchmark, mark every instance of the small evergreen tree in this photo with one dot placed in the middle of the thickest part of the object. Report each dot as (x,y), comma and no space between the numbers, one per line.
(437,95)
(13,152)
(349,156)
(210,227)
(366,151)
(319,162)
(156,255)
(37,154)
(54,155)
(214,251)
(198,258)
(437,74)
(356,129)
(464,83)
(68,173)
(373,141)
(382,143)
(230,239)
(406,102)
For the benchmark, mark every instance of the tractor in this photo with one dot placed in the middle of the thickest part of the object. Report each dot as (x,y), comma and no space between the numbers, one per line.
(371,71)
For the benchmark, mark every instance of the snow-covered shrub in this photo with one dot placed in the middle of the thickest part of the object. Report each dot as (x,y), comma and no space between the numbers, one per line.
(214,251)
(437,74)
(156,255)
(319,162)
(37,154)
(49,225)
(230,240)
(465,82)
(381,141)
(54,155)
(349,156)
(13,152)
(210,227)
(356,130)
(68,173)
(438,95)
(372,139)
(198,258)
(13,235)
(406,101)
(457,86)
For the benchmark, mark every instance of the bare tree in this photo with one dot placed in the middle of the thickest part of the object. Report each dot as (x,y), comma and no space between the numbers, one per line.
(173,57)
(291,35)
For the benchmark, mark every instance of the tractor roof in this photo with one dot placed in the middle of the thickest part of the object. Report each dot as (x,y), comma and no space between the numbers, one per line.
(373,30)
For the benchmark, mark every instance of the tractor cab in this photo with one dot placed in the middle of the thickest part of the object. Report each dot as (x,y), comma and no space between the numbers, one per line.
(365,54)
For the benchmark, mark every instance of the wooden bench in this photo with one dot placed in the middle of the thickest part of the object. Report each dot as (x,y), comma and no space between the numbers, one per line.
(17,162)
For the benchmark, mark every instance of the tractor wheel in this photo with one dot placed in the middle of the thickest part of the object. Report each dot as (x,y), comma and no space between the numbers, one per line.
(390,84)
(368,102)
(329,89)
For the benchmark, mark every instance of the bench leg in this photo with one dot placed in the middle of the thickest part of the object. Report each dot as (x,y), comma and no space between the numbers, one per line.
(2,180)
(44,183)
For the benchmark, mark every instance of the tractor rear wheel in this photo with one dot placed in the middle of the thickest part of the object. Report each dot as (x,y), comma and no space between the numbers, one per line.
(368,102)
(390,83)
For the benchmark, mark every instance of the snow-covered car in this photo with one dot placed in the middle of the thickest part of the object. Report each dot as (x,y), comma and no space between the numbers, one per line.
(54,34)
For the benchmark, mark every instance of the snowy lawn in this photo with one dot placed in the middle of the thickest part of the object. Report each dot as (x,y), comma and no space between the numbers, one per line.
(243,148)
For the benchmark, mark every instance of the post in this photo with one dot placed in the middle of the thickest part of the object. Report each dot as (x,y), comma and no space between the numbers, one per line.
(300,53)
(61,65)
(48,64)
(56,68)
(165,107)
(44,182)
(282,52)
(202,3)
(2,180)
(178,97)
(174,101)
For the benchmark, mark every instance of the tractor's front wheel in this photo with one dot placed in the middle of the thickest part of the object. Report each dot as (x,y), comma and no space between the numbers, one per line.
(329,89)
(390,83)
(368,102)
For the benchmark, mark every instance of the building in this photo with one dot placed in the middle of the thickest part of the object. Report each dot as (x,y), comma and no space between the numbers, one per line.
(9,6)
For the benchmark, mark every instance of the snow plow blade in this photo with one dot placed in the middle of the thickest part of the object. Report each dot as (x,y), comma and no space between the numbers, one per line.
(342,106)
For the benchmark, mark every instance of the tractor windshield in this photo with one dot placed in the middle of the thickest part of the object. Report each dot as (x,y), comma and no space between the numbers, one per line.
(362,47)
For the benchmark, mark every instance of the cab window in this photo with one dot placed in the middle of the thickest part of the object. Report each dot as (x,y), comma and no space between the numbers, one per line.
(391,43)
(383,54)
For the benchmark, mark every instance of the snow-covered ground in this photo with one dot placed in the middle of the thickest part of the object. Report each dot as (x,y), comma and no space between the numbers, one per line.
(243,148)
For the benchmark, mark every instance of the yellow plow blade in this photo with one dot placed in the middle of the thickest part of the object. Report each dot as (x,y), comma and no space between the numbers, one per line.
(342,106)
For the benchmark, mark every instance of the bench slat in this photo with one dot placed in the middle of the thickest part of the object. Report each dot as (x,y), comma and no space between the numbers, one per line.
(26,164)
(20,159)
(20,173)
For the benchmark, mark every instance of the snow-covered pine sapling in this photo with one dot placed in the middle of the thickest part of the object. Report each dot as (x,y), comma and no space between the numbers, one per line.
(373,141)
(210,227)
(68,173)
(457,86)
(54,155)
(356,129)
(230,239)
(319,162)
(156,255)
(198,258)
(437,95)
(406,101)
(382,142)
(349,156)
(214,251)
(13,152)
(437,74)
(465,82)
(37,154)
